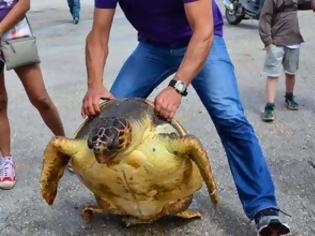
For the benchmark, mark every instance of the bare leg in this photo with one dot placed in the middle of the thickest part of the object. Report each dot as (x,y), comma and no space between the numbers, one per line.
(271,89)
(33,83)
(289,98)
(4,121)
(289,83)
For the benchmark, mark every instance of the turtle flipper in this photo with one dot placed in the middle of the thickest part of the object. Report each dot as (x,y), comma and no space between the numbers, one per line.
(180,209)
(88,211)
(188,214)
(56,157)
(191,146)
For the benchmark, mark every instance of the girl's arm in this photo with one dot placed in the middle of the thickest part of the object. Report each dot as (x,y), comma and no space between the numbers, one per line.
(16,14)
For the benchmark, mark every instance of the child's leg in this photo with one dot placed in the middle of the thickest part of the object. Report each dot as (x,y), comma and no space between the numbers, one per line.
(33,83)
(273,69)
(291,65)
(271,89)
(289,82)
(4,121)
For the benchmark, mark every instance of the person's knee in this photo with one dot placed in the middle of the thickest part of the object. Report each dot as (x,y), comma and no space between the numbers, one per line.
(231,121)
(3,104)
(289,76)
(42,102)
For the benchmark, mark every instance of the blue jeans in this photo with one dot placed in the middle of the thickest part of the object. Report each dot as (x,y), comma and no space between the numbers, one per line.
(216,86)
(74,6)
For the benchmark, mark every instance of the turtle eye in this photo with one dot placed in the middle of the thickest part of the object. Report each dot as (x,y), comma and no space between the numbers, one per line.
(110,148)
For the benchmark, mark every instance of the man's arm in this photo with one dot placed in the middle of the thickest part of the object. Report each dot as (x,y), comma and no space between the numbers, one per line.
(16,14)
(96,55)
(200,18)
(265,22)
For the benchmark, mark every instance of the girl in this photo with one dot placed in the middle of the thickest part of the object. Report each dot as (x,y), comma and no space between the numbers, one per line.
(12,12)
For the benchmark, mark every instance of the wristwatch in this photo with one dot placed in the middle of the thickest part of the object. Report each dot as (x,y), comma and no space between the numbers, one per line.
(179,86)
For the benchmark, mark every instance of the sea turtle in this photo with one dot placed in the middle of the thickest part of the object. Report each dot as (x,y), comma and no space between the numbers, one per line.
(137,165)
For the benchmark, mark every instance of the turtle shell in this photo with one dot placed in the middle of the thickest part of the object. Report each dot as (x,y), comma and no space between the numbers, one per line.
(131,109)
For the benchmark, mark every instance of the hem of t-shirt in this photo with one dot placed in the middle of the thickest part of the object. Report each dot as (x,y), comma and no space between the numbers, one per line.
(107,6)
(182,42)
(293,46)
(219,34)
(189,1)
(102,7)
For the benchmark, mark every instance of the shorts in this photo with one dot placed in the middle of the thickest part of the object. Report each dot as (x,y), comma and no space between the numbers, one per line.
(280,58)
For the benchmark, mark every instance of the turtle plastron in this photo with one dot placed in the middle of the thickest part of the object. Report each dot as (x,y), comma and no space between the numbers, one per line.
(154,174)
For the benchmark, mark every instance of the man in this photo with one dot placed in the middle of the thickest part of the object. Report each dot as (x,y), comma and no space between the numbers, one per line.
(74,6)
(282,48)
(185,37)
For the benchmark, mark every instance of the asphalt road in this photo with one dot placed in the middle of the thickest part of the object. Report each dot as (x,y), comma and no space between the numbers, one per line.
(288,142)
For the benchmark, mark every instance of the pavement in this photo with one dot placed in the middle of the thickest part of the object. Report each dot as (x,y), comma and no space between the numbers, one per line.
(288,143)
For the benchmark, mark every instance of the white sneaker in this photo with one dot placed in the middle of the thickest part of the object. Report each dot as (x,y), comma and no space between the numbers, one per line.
(7,173)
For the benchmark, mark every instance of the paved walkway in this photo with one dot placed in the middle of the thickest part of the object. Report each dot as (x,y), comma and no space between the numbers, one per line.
(288,142)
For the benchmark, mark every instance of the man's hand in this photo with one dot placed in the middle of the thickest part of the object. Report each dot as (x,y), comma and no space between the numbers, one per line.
(167,103)
(90,104)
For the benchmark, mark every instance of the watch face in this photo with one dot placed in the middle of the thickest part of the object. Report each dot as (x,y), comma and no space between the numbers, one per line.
(180,86)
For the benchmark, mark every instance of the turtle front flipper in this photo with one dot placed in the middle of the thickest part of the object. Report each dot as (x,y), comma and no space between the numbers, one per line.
(191,146)
(56,157)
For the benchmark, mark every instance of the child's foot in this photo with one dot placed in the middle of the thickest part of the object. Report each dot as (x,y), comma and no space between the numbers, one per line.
(291,103)
(268,114)
(7,173)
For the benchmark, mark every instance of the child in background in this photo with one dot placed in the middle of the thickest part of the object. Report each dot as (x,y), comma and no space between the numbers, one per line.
(279,31)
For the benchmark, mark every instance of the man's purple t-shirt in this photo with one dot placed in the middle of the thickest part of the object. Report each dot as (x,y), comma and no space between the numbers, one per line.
(162,21)
(5,7)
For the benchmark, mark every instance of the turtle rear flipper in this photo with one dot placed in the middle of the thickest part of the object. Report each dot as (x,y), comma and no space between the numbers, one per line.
(191,146)
(56,157)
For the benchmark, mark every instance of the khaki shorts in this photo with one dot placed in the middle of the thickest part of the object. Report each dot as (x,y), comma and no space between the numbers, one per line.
(280,58)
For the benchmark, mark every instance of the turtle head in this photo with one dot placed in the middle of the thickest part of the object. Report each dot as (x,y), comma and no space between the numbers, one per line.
(109,138)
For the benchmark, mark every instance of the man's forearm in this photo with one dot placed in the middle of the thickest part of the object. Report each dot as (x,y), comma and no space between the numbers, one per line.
(195,57)
(96,54)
